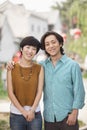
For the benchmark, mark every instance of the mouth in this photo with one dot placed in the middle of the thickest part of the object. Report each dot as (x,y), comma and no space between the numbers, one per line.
(52,50)
(29,55)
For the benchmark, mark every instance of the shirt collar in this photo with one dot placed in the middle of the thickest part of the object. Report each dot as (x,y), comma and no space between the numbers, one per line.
(62,59)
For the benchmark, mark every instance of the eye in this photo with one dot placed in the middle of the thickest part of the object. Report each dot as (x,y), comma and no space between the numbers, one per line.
(46,44)
(28,47)
(53,42)
(34,48)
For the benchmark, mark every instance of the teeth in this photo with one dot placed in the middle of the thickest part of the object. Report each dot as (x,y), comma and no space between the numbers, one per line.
(52,50)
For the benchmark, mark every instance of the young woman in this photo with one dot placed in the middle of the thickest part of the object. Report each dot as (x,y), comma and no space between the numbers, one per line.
(25,85)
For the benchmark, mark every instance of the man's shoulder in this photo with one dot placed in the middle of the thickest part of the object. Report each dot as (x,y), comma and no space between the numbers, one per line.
(36,64)
(43,62)
(72,62)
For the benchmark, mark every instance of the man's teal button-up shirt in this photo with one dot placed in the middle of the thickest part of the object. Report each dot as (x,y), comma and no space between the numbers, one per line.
(63,88)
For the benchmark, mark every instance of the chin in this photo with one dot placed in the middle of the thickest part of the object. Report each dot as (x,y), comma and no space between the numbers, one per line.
(53,54)
(28,59)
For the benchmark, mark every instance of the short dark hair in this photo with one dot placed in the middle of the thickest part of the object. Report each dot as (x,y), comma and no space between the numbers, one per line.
(31,41)
(58,37)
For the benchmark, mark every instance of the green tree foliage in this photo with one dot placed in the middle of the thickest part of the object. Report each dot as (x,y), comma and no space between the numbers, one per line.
(73,8)
(74,14)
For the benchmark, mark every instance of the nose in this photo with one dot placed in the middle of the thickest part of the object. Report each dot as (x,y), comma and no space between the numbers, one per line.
(51,45)
(30,50)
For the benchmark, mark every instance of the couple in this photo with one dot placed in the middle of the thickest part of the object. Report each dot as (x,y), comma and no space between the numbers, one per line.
(59,77)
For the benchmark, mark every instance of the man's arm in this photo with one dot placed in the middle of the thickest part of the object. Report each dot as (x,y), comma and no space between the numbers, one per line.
(10,65)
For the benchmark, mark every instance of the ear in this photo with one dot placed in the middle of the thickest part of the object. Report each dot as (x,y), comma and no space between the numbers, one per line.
(61,45)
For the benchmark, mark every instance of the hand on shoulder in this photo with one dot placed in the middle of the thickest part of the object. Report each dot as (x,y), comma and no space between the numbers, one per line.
(10,65)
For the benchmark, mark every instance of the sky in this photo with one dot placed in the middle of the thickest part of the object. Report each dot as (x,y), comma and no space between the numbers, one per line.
(37,5)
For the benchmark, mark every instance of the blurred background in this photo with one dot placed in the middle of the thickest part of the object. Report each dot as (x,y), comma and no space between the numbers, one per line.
(20,18)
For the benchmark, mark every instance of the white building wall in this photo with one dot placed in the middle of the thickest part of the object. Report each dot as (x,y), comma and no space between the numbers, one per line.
(57,25)
(37,27)
(7,46)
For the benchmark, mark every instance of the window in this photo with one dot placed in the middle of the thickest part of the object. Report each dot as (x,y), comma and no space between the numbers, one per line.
(38,29)
(32,28)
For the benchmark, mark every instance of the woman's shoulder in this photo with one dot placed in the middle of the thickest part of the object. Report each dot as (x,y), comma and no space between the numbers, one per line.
(36,64)
(16,66)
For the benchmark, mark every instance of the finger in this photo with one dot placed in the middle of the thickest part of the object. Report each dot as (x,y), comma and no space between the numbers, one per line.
(10,65)
(13,62)
(70,123)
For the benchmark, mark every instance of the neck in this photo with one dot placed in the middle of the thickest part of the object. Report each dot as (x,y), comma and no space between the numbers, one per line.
(54,59)
(25,63)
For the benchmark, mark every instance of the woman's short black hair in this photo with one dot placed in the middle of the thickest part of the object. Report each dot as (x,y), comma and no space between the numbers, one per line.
(58,37)
(31,41)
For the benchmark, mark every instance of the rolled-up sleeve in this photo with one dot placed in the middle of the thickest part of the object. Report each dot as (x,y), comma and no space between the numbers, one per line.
(79,91)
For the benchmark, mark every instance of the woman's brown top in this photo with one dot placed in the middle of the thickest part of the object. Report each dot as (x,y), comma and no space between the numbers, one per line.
(25,83)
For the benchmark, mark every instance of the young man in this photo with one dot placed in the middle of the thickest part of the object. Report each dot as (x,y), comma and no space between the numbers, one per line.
(63,86)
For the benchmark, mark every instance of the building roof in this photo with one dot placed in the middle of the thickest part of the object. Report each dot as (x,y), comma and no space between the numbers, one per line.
(51,16)
(2,18)
(17,17)
(3,6)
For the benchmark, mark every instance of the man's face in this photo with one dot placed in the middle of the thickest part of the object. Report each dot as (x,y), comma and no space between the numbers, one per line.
(52,45)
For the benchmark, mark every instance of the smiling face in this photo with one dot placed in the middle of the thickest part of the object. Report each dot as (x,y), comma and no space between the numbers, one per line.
(28,52)
(52,45)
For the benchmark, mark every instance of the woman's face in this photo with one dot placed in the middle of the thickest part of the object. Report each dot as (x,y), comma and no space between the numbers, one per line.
(28,52)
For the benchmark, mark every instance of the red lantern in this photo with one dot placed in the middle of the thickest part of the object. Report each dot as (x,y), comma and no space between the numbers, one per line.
(77,31)
(64,36)
(17,56)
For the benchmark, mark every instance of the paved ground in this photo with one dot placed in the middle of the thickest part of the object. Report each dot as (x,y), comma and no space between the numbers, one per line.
(4,106)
